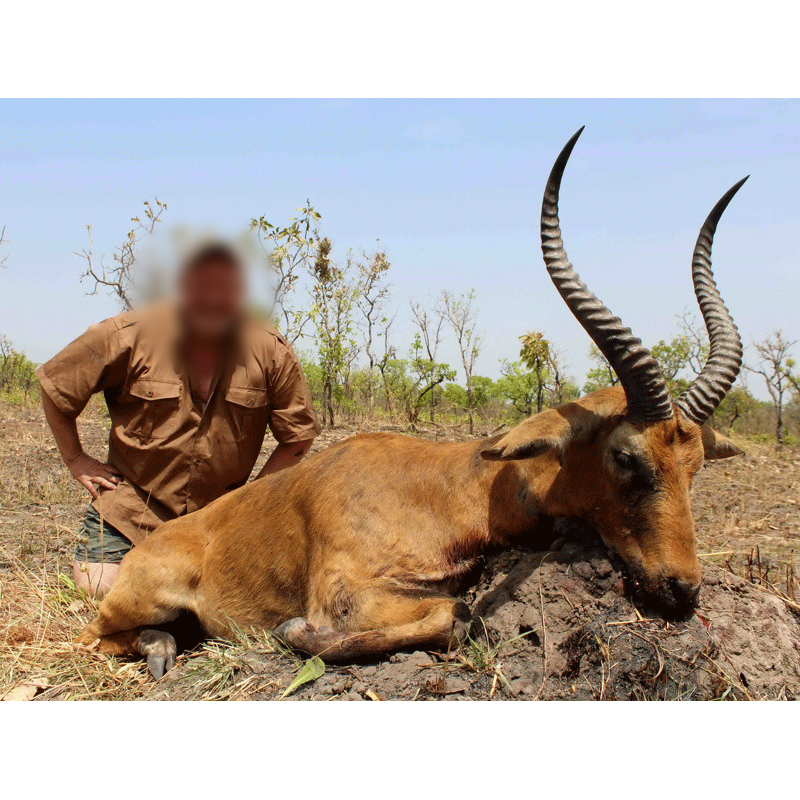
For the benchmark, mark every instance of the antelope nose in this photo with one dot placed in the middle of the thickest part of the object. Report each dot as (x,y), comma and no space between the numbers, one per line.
(684,592)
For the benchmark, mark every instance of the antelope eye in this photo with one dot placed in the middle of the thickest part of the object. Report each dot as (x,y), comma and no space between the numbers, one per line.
(625,460)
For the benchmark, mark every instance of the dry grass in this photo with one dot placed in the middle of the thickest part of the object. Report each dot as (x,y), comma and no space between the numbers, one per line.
(747,513)
(44,613)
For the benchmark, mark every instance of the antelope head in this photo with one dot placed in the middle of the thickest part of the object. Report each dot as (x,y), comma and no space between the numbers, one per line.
(624,458)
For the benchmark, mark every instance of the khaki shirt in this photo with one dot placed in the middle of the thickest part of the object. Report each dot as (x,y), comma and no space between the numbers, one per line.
(174,455)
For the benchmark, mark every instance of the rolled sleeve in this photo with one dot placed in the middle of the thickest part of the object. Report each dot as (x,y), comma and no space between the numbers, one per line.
(292,416)
(90,364)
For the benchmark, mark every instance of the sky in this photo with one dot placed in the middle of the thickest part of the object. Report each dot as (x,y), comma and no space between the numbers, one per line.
(451,189)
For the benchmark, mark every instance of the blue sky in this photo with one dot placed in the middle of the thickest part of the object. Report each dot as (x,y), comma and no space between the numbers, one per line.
(451,188)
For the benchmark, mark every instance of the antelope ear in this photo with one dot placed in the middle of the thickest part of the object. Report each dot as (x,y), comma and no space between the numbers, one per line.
(549,430)
(718,446)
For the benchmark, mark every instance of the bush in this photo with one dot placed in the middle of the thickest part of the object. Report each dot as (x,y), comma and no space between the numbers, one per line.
(18,382)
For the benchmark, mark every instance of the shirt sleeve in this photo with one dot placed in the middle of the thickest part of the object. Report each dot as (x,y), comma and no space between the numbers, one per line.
(94,362)
(292,416)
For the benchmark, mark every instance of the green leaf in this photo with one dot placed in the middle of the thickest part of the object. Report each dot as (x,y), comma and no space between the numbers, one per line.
(312,670)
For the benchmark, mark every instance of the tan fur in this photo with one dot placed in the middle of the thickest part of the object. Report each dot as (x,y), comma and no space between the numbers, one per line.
(355,544)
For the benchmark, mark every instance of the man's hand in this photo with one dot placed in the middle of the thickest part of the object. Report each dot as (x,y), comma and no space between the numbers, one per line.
(89,472)
(284,456)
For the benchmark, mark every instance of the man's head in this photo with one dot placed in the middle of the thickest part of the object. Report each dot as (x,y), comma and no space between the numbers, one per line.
(211,291)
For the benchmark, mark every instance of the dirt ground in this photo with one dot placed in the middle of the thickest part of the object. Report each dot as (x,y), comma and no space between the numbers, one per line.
(555,620)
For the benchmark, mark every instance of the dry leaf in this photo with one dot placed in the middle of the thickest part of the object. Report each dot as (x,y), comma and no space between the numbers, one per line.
(27,690)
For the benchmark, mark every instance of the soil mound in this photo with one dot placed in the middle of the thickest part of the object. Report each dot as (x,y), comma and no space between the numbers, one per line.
(585,638)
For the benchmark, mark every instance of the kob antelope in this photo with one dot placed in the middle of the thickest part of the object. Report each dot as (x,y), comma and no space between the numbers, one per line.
(350,553)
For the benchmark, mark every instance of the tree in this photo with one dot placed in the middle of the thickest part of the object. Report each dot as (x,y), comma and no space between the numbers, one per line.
(428,374)
(535,354)
(424,351)
(458,311)
(17,371)
(776,368)
(601,374)
(483,392)
(3,241)
(736,404)
(373,294)
(332,312)
(673,357)
(562,387)
(121,278)
(398,385)
(389,355)
(693,331)
(289,252)
(518,386)
(686,350)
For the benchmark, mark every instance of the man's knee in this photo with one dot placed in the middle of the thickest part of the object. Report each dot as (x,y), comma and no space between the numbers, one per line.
(94,579)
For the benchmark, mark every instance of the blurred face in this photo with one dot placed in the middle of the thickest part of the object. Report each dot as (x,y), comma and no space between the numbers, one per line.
(212,298)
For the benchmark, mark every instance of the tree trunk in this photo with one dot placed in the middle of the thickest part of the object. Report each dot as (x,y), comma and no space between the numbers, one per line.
(387,392)
(371,389)
(539,390)
(328,395)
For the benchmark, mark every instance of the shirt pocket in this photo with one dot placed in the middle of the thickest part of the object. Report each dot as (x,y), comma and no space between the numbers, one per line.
(156,409)
(248,414)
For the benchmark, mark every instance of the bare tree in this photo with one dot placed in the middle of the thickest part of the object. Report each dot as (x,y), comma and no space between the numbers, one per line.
(562,387)
(373,294)
(693,331)
(458,311)
(289,252)
(776,369)
(120,278)
(3,241)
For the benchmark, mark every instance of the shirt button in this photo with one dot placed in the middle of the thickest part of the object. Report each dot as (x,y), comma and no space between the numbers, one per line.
(149,392)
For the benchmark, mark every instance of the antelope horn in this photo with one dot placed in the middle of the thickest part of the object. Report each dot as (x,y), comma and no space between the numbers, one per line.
(725,357)
(638,372)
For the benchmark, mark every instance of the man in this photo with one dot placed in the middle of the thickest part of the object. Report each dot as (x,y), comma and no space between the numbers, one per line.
(191,387)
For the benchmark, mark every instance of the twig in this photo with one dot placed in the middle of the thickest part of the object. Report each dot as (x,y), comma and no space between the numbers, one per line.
(544,629)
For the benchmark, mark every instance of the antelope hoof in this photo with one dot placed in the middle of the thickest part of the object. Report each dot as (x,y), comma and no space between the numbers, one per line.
(295,631)
(461,630)
(462,622)
(160,650)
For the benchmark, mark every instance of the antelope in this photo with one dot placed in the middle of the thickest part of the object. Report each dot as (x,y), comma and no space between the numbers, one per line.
(352,552)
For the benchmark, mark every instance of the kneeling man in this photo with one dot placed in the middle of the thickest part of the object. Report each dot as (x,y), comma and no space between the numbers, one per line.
(191,387)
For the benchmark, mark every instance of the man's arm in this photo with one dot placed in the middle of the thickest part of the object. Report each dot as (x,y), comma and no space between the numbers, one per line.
(86,470)
(284,456)
(292,416)
(97,360)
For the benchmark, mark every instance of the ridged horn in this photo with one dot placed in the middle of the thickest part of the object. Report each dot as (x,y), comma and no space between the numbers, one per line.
(638,372)
(725,354)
